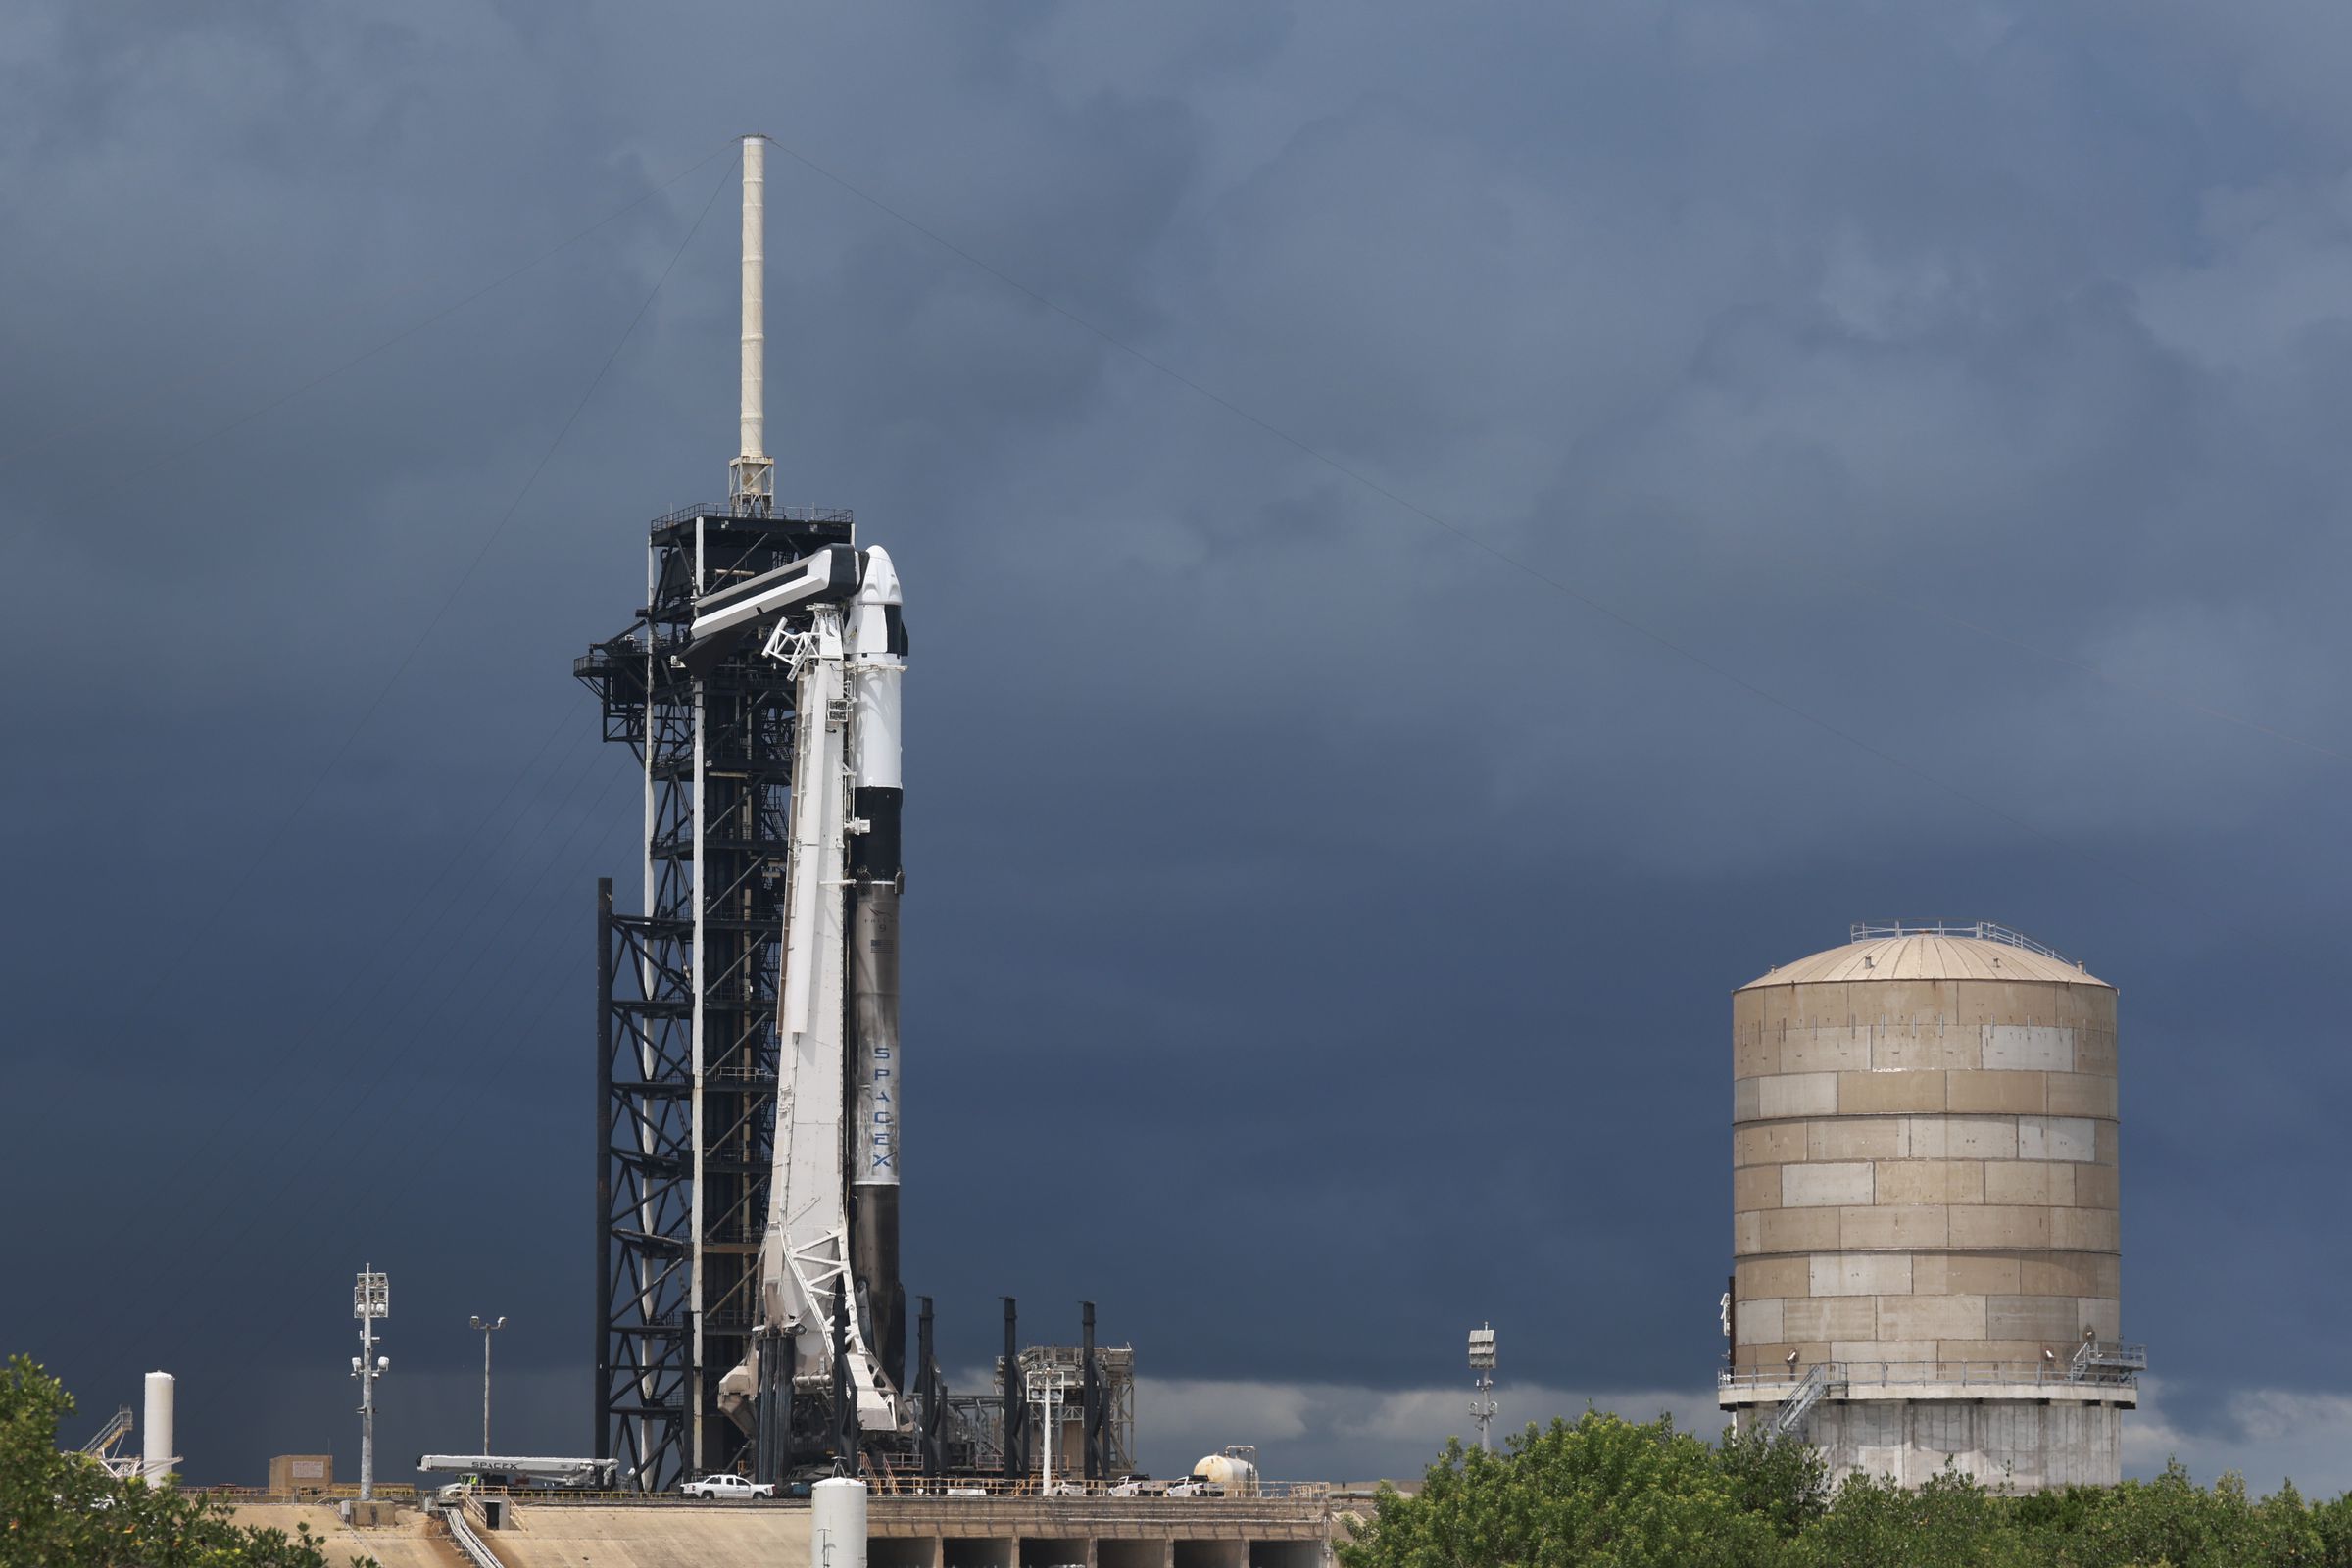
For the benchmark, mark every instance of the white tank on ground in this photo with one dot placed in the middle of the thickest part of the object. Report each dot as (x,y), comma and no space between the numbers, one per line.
(836,1524)
(156,1458)
(1235,1470)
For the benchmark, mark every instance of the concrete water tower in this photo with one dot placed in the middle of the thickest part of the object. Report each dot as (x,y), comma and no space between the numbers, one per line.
(1926,1256)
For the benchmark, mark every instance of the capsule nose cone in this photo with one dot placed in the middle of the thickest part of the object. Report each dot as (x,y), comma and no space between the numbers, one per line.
(880,584)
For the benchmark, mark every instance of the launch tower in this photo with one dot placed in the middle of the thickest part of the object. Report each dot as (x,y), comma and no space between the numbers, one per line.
(688,988)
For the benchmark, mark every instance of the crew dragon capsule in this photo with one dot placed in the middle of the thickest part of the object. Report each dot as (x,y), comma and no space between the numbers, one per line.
(832,1308)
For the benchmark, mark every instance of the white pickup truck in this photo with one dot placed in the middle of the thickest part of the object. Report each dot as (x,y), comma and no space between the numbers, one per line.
(727,1488)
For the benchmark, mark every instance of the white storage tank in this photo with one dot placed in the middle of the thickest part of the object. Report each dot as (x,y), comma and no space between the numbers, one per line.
(1235,1470)
(156,1458)
(836,1524)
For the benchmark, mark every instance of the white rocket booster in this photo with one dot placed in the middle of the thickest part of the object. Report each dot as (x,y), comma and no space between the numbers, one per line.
(877,660)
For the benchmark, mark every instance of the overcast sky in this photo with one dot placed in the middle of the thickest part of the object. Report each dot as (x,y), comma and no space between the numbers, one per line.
(1438,542)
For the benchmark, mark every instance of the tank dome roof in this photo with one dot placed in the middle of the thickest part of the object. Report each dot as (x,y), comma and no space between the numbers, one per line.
(1901,953)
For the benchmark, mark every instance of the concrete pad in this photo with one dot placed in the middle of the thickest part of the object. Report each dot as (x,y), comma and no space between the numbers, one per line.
(1811,1186)
(410,1542)
(676,1534)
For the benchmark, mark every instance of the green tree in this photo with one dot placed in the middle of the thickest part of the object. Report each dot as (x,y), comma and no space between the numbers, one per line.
(63,1511)
(1605,1492)
(1784,1478)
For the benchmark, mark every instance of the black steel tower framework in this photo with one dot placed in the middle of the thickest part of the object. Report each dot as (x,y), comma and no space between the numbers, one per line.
(686,1005)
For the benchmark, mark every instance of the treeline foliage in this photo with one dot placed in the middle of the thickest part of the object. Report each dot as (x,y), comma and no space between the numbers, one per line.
(1607,1492)
(61,1510)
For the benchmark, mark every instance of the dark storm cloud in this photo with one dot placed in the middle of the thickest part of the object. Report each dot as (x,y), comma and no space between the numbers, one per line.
(1354,910)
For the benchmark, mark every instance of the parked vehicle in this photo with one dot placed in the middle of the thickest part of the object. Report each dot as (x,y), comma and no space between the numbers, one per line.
(726,1488)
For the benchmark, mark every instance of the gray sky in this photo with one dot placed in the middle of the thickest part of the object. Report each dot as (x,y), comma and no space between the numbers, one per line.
(1439,541)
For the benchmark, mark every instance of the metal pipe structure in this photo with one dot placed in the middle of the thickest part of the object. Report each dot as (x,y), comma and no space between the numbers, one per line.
(1090,1394)
(754,472)
(1016,1406)
(487,1329)
(602,1445)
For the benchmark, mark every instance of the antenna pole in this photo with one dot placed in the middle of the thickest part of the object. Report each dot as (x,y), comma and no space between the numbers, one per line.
(752,485)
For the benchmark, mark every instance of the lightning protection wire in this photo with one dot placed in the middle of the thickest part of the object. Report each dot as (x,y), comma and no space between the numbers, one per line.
(551,986)
(1467,536)
(446,979)
(480,553)
(203,1242)
(285,823)
(113,412)
(300,1052)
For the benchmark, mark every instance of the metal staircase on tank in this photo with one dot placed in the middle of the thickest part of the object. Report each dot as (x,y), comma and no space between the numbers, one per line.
(102,1446)
(2098,1360)
(1790,1419)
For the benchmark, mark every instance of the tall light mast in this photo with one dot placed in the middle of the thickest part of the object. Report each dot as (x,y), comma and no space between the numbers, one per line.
(370,1300)
(1482,1363)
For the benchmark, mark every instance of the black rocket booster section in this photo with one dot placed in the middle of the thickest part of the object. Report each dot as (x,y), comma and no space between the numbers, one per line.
(877,660)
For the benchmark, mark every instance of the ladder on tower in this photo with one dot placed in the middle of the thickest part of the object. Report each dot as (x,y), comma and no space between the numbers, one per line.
(1790,1419)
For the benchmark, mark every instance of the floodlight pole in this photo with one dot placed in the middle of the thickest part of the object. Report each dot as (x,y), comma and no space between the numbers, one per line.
(1044,1388)
(370,1300)
(487,1329)
(1483,1407)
